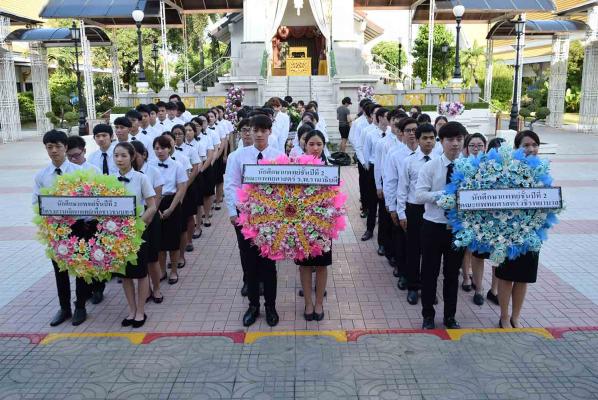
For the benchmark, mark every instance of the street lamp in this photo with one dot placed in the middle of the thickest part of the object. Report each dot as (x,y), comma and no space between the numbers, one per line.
(155,56)
(458,12)
(444,50)
(400,52)
(76,37)
(138,17)
(519,28)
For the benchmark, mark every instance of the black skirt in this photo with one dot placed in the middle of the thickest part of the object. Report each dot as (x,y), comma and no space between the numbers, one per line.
(322,260)
(199,185)
(209,182)
(220,168)
(153,239)
(139,271)
(170,228)
(189,203)
(523,269)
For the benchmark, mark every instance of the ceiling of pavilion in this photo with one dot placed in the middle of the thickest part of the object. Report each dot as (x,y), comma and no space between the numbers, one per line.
(58,37)
(506,29)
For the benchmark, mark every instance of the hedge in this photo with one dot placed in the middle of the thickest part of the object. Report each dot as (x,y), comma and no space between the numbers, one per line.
(123,110)
(468,106)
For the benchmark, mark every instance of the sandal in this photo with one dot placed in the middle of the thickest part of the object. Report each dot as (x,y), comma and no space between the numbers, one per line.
(181,266)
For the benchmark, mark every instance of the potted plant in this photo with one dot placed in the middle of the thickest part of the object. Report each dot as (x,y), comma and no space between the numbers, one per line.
(63,120)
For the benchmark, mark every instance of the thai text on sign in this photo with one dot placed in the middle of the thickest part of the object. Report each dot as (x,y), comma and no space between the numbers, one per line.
(100,206)
(292,174)
(510,199)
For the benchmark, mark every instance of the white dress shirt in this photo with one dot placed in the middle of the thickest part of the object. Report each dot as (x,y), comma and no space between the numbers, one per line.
(172,173)
(46,177)
(408,180)
(381,150)
(431,182)
(153,174)
(214,136)
(157,129)
(355,136)
(169,123)
(438,150)
(233,176)
(183,160)
(391,172)
(186,116)
(90,167)
(139,185)
(369,144)
(296,151)
(188,151)
(97,159)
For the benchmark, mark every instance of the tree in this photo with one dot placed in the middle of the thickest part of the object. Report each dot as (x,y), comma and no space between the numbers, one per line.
(575,65)
(440,62)
(502,85)
(470,62)
(388,51)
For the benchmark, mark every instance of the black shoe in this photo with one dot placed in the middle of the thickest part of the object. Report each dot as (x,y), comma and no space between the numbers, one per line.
(251,315)
(127,322)
(392,262)
(245,290)
(435,300)
(364,214)
(412,297)
(272,316)
(492,297)
(197,235)
(451,323)
(466,288)
(158,300)
(428,323)
(139,324)
(60,317)
(79,316)
(300,293)
(478,299)
(367,236)
(395,272)
(318,317)
(261,288)
(189,248)
(381,251)
(402,283)
(97,297)
(308,317)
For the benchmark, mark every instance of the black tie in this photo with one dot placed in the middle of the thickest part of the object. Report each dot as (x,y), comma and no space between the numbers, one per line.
(427,158)
(260,156)
(133,138)
(212,127)
(161,123)
(160,164)
(105,170)
(123,179)
(173,158)
(178,148)
(449,172)
(384,134)
(58,171)
(144,132)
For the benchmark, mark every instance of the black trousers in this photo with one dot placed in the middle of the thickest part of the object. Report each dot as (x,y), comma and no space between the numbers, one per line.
(258,269)
(415,219)
(371,198)
(63,285)
(362,185)
(399,248)
(385,229)
(98,286)
(242,253)
(437,244)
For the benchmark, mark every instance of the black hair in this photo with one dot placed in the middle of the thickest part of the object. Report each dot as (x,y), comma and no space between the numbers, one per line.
(163,141)
(152,107)
(143,108)
(288,99)
(473,136)
(242,123)
(181,106)
(261,121)
(452,129)
(425,128)
(440,118)
(171,106)
(103,128)
(315,132)
(192,127)
(418,108)
(237,103)
(304,128)
(301,103)
(313,115)
(424,119)
(381,112)
(315,103)
(140,148)
(161,104)
(284,103)
(406,121)
(523,134)
(369,108)
(363,102)
(74,142)
(177,126)
(131,150)
(175,96)
(133,114)
(220,107)
(55,136)
(415,115)
(495,143)
(123,121)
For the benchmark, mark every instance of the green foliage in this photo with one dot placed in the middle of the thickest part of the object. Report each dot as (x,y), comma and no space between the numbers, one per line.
(104,92)
(123,110)
(388,51)
(533,102)
(26,107)
(572,100)
(62,87)
(574,75)
(542,113)
(502,86)
(441,63)
(471,61)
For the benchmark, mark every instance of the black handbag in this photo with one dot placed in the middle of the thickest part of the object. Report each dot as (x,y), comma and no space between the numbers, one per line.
(340,158)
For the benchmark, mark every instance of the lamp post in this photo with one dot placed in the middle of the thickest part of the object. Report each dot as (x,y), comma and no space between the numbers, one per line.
(155,56)
(444,50)
(76,37)
(519,27)
(458,12)
(400,61)
(138,17)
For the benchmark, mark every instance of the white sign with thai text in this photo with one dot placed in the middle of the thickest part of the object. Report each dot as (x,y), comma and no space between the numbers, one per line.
(99,206)
(510,199)
(292,174)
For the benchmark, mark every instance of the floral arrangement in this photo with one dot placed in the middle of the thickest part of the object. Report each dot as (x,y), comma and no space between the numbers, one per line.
(294,116)
(115,243)
(501,233)
(291,221)
(365,92)
(451,109)
(233,94)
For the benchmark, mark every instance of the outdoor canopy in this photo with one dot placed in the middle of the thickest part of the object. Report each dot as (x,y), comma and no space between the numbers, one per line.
(506,29)
(58,37)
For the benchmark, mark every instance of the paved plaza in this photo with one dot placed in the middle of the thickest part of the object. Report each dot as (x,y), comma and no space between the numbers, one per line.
(194,345)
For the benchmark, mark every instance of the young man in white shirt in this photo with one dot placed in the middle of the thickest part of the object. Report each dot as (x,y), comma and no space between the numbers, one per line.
(438,239)
(171,116)
(103,158)
(55,143)
(355,139)
(370,135)
(410,213)
(145,126)
(156,128)
(184,114)
(162,116)
(258,268)
(381,148)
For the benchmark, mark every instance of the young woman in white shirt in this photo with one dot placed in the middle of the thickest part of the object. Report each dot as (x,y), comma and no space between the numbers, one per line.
(200,142)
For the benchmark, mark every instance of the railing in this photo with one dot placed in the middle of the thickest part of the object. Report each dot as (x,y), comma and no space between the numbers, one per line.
(213,71)
(391,73)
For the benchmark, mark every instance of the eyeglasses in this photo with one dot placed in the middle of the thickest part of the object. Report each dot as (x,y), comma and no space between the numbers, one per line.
(74,156)
(410,130)
(245,130)
(475,146)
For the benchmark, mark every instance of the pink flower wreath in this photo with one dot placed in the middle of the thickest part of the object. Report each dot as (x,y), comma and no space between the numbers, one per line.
(291,221)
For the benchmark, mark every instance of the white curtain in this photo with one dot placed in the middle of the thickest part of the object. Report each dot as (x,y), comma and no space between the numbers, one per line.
(274,13)
(320,9)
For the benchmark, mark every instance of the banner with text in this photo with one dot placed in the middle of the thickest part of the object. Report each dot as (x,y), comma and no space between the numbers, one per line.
(510,199)
(97,206)
(292,174)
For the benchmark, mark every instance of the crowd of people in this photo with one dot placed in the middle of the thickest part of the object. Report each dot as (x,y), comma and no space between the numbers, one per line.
(182,168)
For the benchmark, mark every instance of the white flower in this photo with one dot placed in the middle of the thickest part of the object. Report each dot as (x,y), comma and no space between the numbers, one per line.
(111,226)
(63,249)
(98,255)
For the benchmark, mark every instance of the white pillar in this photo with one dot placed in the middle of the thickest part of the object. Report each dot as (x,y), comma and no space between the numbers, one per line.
(430,41)
(186,51)
(521,52)
(342,20)
(10,121)
(115,70)
(90,100)
(41,92)
(489,67)
(165,66)
(588,110)
(253,21)
(558,80)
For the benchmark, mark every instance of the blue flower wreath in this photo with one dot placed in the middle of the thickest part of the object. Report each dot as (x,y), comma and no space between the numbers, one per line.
(501,233)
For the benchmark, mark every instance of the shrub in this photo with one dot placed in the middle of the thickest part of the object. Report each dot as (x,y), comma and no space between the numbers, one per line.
(26,107)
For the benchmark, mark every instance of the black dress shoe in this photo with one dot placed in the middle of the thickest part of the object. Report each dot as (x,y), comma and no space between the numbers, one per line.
(251,315)
(79,316)
(392,262)
(402,283)
(60,317)
(127,322)
(308,317)
(300,293)
(412,297)
(320,316)
(367,236)
(189,248)
(428,323)
(492,297)
(381,251)
(451,323)
(478,299)
(139,324)
(245,290)
(261,288)
(272,316)
(395,272)
(97,297)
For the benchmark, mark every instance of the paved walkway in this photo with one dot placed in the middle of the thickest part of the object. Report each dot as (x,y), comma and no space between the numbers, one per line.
(362,298)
